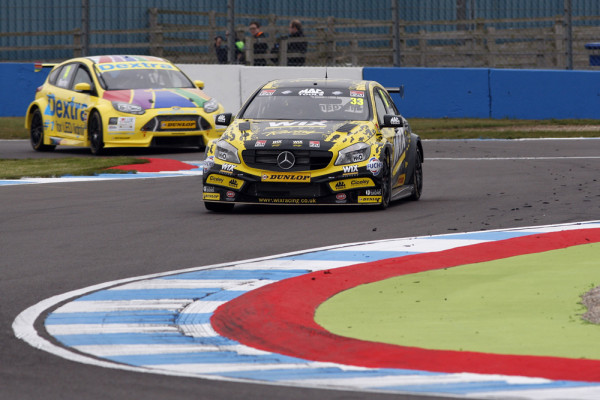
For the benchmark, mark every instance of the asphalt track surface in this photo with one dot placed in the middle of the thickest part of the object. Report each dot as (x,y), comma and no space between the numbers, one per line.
(61,237)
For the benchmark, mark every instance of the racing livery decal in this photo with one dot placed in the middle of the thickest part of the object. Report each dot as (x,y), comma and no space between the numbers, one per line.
(304,141)
(121,101)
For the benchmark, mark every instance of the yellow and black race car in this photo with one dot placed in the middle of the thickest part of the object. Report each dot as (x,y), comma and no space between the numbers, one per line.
(314,141)
(121,101)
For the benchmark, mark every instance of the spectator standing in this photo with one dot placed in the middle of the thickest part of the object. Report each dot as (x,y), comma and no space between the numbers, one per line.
(294,47)
(295,30)
(260,46)
(220,50)
(240,56)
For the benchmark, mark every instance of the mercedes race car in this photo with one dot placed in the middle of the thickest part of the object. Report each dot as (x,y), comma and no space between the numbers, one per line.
(314,141)
(121,101)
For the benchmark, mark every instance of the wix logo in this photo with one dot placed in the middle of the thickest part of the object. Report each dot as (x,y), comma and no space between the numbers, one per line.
(298,123)
(228,167)
(350,169)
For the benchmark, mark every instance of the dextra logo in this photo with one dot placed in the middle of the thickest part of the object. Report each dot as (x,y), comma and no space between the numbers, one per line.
(133,65)
(298,123)
(66,109)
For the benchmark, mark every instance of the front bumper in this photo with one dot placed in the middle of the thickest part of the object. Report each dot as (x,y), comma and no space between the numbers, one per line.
(162,130)
(302,188)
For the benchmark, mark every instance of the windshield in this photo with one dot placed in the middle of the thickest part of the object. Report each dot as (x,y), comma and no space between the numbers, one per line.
(309,104)
(144,79)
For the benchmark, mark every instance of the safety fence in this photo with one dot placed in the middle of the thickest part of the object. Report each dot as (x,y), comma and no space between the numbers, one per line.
(187,36)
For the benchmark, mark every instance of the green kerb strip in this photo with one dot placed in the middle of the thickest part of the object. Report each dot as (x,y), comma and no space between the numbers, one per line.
(525,305)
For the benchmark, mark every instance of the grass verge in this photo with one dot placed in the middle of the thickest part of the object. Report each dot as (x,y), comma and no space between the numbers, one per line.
(474,128)
(13,128)
(55,167)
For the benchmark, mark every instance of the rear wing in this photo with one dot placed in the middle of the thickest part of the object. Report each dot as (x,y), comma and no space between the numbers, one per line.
(399,90)
(38,66)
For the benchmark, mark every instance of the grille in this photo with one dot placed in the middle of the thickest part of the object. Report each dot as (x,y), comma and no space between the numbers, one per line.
(306,160)
(154,124)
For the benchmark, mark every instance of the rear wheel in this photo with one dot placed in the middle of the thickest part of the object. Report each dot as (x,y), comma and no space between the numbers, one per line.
(417,178)
(218,207)
(36,132)
(95,134)
(386,183)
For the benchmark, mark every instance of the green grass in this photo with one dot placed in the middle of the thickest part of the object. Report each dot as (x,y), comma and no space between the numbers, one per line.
(474,128)
(528,305)
(55,167)
(13,128)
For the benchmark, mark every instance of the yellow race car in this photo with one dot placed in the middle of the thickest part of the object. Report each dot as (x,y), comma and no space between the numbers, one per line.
(121,101)
(314,141)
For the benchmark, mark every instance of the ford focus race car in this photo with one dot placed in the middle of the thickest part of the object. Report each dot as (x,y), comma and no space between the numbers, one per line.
(120,101)
(314,141)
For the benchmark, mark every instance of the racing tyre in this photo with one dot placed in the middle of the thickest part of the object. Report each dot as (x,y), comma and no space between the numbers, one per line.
(218,207)
(417,178)
(386,183)
(95,134)
(36,133)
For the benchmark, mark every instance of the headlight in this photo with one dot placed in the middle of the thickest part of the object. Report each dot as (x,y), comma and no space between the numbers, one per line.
(352,154)
(227,152)
(128,108)
(211,106)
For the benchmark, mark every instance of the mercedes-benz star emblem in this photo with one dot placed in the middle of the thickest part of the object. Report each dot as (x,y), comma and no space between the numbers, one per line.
(286,160)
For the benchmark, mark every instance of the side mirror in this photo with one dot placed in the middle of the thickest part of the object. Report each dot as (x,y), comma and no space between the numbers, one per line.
(199,84)
(223,119)
(392,121)
(83,87)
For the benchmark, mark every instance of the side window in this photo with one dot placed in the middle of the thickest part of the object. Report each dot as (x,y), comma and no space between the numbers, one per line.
(390,106)
(54,75)
(81,76)
(65,76)
(380,106)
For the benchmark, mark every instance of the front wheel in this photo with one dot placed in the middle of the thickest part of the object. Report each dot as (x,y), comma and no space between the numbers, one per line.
(417,178)
(95,134)
(218,207)
(36,133)
(386,183)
